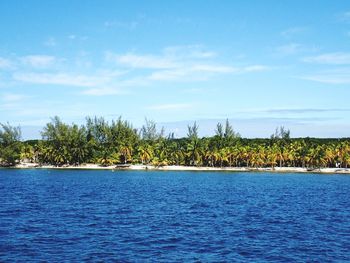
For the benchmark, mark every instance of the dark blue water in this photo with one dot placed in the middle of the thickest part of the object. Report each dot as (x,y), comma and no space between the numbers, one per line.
(173,216)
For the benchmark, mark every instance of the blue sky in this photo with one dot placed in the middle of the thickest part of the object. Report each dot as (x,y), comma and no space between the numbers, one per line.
(260,64)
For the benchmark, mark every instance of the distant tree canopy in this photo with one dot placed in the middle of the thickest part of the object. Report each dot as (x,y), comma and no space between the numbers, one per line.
(149,131)
(281,133)
(226,132)
(117,142)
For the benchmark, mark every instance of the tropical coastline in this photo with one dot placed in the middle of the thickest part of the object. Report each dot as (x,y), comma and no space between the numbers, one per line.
(143,167)
(100,144)
(174,131)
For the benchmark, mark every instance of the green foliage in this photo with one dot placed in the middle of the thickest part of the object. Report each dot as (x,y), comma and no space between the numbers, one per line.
(149,131)
(10,146)
(281,133)
(27,153)
(97,141)
(9,134)
(117,142)
(192,131)
(63,144)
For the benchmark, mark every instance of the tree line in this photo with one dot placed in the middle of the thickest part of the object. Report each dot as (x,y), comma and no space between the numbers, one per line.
(118,143)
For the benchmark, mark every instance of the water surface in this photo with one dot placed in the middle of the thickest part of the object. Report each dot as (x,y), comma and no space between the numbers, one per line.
(144,216)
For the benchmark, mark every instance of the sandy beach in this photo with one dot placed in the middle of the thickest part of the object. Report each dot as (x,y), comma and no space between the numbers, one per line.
(186,168)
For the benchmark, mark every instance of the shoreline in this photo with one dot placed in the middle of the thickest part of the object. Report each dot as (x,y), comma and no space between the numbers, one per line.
(140,167)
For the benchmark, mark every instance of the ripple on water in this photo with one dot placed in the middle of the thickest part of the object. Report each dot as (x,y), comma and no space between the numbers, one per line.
(173,217)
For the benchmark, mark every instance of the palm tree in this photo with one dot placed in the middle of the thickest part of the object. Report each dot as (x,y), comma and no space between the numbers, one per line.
(279,151)
(27,153)
(271,156)
(125,154)
(329,155)
(145,152)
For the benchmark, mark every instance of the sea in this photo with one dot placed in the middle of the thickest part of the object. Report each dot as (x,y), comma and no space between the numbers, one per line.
(49,215)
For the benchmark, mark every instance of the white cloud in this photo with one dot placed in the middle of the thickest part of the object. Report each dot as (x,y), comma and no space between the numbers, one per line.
(11,101)
(303,110)
(8,106)
(119,24)
(175,106)
(256,68)
(49,108)
(330,79)
(142,61)
(190,73)
(170,57)
(61,79)
(292,31)
(295,48)
(200,72)
(336,58)
(97,79)
(5,63)
(289,49)
(39,61)
(194,90)
(180,63)
(103,91)
(99,84)
(169,74)
(76,37)
(176,63)
(189,51)
(203,54)
(11,97)
(338,76)
(213,68)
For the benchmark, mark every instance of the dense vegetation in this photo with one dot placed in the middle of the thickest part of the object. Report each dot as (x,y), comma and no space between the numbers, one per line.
(99,141)
(10,146)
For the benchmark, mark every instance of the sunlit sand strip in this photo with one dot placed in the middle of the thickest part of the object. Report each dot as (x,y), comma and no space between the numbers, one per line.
(186,168)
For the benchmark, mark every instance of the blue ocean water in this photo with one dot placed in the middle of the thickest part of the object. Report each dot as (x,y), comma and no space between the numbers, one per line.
(145,216)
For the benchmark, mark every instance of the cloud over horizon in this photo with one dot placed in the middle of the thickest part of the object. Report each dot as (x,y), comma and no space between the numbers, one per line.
(177,61)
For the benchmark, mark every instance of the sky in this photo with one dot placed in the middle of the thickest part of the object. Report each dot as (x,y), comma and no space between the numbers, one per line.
(260,64)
